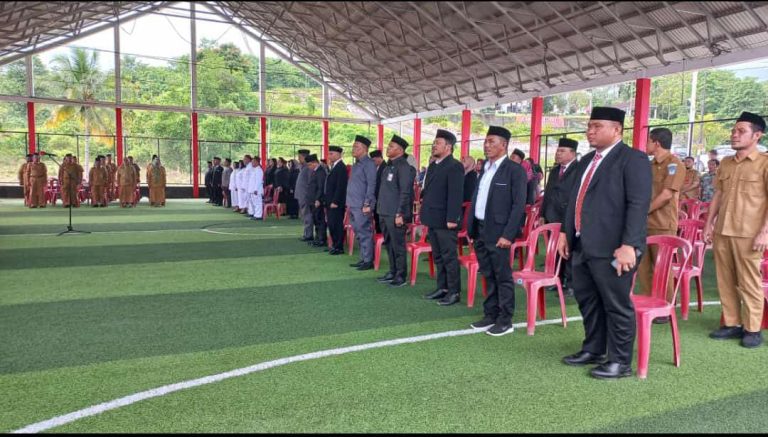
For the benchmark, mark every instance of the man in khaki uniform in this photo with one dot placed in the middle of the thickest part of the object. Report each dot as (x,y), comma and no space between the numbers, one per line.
(137,171)
(126,180)
(68,181)
(737,218)
(156,183)
(23,180)
(111,168)
(97,180)
(692,182)
(37,175)
(668,177)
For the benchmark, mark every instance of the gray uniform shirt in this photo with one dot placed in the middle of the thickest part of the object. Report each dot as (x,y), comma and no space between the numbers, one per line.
(226,176)
(302,182)
(362,184)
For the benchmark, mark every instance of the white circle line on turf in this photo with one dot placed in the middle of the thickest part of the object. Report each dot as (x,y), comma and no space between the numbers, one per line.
(171,388)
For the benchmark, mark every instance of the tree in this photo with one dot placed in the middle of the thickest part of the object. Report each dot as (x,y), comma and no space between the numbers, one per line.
(82,80)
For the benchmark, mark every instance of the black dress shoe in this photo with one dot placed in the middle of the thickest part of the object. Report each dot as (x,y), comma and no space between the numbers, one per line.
(449,299)
(386,278)
(365,266)
(611,370)
(397,282)
(727,332)
(335,252)
(437,294)
(357,264)
(581,358)
(306,239)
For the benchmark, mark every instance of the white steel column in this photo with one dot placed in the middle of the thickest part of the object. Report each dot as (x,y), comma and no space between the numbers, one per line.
(193,55)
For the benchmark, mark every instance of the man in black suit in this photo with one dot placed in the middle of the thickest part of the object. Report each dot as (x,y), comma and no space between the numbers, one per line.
(561,179)
(441,211)
(216,177)
(379,161)
(335,198)
(395,207)
(209,181)
(604,233)
(315,195)
(470,177)
(495,220)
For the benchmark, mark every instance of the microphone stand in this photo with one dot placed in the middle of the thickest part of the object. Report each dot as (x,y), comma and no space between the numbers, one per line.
(69,230)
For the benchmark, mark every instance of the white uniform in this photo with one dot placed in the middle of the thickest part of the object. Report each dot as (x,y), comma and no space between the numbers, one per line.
(256,191)
(233,187)
(242,186)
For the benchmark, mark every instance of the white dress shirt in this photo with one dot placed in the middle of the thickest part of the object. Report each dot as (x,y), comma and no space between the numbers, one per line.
(484,186)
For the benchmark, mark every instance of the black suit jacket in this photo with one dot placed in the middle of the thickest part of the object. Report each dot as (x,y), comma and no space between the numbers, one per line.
(557,193)
(505,206)
(379,172)
(470,182)
(218,172)
(336,186)
(615,208)
(442,194)
(316,186)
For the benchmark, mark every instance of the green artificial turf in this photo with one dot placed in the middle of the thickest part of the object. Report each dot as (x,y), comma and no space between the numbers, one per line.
(152,298)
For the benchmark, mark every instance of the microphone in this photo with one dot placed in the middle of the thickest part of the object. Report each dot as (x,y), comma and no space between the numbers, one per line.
(46,153)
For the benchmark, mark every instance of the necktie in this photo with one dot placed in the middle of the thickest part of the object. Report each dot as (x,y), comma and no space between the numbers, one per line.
(562,172)
(583,190)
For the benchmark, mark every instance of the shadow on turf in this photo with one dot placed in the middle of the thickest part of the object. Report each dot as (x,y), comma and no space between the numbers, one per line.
(34,258)
(59,334)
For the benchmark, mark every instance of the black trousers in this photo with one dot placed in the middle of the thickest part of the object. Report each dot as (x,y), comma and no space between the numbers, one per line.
(336,227)
(318,218)
(605,305)
(444,251)
(377,222)
(209,191)
(218,196)
(394,239)
(494,266)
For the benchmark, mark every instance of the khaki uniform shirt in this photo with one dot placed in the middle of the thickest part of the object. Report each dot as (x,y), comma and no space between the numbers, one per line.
(23,175)
(667,174)
(97,176)
(126,176)
(744,190)
(691,176)
(36,170)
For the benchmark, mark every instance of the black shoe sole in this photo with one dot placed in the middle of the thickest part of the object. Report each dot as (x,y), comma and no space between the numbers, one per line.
(402,284)
(472,325)
(364,268)
(446,304)
(620,375)
(585,363)
(508,331)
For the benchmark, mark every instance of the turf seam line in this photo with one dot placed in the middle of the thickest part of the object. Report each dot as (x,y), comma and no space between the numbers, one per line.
(171,388)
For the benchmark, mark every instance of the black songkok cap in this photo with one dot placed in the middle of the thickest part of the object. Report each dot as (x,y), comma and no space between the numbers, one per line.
(362,139)
(304,152)
(448,136)
(375,154)
(499,132)
(335,149)
(311,158)
(519,153)
(752,118)
(606,113)
(567,142)
(214,158)
(400,141)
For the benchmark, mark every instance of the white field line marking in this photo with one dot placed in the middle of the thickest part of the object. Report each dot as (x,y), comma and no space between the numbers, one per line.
(157,230)
(170,388)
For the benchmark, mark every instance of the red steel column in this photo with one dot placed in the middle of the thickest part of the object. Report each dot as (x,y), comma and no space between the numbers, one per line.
(119,135)
(417,142)
(642,110)
(466,124)
(31,127)
(380,136)
(537,115)
(263,131)
(195,158)
(325,139)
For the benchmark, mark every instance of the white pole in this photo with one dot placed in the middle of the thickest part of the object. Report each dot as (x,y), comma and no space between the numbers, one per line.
(692,111)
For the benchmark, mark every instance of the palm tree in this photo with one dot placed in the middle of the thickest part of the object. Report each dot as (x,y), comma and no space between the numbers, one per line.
(81,79)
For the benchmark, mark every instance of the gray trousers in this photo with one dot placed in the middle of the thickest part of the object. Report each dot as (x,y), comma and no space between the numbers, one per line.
(306,216)
(361,223)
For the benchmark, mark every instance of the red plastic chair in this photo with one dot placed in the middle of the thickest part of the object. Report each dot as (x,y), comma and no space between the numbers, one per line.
(690,207)
(682,215)
(464,232)
(273,207)
(267,197)
(378,241)
(350,231)
(531,217)
(470,263)
(656,305)
(534,281)
(414,227)
(691,231)
(416,249)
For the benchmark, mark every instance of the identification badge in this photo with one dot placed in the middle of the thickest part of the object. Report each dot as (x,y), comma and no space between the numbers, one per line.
(672,169)
(390,176)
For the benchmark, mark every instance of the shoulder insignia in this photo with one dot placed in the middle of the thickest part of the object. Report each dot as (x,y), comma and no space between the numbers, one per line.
(672,169)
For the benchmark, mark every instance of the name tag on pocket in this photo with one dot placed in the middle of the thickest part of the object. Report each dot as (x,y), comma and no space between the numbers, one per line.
(390,177)
(500,185)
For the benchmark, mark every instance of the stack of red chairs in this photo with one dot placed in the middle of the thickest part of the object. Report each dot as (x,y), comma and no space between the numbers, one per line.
(378,242)
(534,281)
(470,263)
(350,231)
(52,191)
(690,207)
(691,231)
(656,305)
(416,248)
(464,232)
